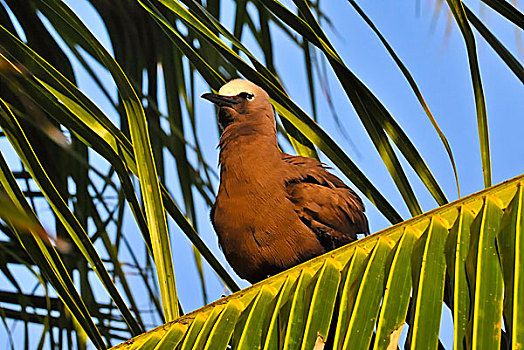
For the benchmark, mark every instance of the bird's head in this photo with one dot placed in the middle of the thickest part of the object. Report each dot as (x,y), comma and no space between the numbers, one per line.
(241,101)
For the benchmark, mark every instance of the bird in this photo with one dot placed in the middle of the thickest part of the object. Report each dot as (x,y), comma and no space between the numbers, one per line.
(273,210)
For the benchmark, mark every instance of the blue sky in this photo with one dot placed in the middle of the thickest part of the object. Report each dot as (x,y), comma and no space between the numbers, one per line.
(438,62)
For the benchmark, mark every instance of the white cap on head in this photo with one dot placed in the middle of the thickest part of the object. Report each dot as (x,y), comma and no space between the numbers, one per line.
(237,86)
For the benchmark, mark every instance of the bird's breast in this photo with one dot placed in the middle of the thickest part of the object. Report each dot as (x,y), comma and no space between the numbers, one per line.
(259,231)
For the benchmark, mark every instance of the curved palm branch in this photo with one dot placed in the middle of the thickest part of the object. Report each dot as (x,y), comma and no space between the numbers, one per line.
(466,256)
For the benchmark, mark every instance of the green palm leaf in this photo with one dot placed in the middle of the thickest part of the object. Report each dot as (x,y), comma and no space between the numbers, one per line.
(480,103)
(147,173)
(336,298)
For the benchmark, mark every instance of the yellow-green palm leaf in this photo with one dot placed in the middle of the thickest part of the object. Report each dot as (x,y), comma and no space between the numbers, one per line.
(365,293)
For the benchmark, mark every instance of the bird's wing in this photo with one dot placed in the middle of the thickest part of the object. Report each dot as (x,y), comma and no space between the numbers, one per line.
(323,202)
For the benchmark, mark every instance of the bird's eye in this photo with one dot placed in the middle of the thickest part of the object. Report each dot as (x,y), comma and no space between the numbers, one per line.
(246,96)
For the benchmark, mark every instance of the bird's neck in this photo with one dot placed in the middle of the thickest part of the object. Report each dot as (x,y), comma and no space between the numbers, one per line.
(248,150)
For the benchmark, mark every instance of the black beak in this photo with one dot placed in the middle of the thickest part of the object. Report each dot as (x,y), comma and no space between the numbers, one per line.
(222,101)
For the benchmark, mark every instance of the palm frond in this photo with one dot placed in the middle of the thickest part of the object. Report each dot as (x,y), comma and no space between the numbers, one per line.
(359,295)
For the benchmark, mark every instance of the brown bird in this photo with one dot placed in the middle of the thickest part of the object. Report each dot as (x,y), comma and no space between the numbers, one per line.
(273,210)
